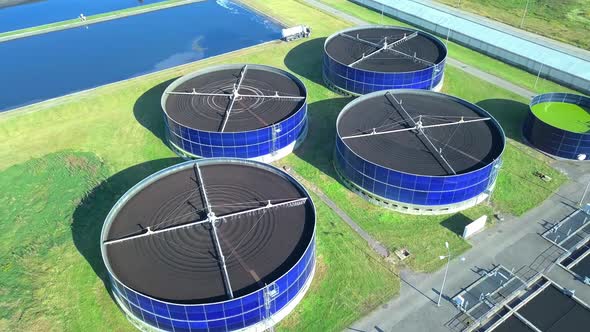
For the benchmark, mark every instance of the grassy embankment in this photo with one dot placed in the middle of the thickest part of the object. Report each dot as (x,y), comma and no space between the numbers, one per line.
(92,18)
(121,124)
(461,53)
(564,20)
(52,275)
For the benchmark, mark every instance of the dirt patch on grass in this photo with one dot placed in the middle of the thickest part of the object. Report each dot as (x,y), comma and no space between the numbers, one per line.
(76,163)
(40,323)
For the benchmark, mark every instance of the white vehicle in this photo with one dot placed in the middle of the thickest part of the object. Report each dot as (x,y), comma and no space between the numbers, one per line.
(297,32)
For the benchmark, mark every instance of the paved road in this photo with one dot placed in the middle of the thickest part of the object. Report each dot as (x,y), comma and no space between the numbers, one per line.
(515,243)
(451,61)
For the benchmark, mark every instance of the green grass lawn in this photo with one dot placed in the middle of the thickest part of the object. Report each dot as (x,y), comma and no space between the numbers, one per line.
(52,273)
(564,20)
(89,19)
(518,190)
(461,53)
(117,133)
(45,283)
(566,116)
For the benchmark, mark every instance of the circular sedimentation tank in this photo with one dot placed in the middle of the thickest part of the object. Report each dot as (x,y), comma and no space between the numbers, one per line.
(371,58)
(559,124)
(245,111)
(418,152)
(211,245)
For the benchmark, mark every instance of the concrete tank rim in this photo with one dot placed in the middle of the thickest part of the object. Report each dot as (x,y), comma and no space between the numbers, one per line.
(476,108)
(533,103)
(430,36)
(180,167)
(182,79)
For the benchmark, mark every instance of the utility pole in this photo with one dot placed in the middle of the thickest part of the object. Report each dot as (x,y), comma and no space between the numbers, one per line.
(538,75)
(448,257)
(584,194)
(526,8)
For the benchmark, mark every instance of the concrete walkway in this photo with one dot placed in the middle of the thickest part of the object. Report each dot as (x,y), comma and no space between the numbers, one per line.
(380,249)
(515,243)
(11,35)
(450,61)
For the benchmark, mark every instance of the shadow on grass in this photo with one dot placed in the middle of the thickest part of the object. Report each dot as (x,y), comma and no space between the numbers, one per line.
(306,59)
(148,110)
(511,115)
(318,148)
(90,214)
(456,223)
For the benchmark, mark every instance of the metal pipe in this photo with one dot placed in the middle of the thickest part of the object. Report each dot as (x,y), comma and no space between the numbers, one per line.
(194,93)
(227,283)
(415,127)
(150,232)
(234,96)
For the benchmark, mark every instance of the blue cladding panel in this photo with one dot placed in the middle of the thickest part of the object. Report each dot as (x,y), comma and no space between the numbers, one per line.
(230,315)
(249,144)
(552,140)
(412,189)
(361,82)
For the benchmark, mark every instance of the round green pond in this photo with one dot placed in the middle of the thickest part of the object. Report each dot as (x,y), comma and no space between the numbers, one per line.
(566,116)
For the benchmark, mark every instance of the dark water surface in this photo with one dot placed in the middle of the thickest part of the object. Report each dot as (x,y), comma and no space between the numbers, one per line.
(50,65)
(21,14)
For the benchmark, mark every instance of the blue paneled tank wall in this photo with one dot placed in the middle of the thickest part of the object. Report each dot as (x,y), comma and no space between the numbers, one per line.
(230,315)
(409,188)
(191,142)
(248,144)
(359,82)
(553,140)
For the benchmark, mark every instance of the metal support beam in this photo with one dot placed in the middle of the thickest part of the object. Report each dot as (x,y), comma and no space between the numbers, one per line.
(436,152)
(290,203)
(403,40)
(275,96)
(364,57)
(390,48)
(384,47)
(226,281)
(150,232)
(358,39)
(413,57)
(375,133)
(269,205)
(213,220)
(234,96)
(228,95)
(195,93)
(202,186)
